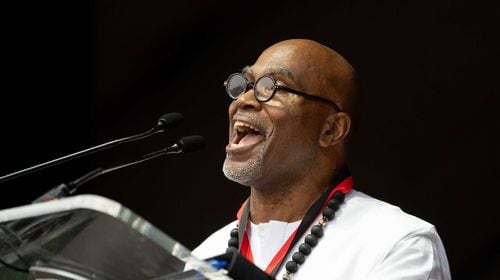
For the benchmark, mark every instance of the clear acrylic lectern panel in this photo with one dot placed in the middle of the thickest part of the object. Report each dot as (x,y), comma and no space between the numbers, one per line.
(90,237)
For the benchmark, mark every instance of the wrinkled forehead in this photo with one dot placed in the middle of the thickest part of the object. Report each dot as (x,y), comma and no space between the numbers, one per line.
(270,70)
(306,65)
(286,61)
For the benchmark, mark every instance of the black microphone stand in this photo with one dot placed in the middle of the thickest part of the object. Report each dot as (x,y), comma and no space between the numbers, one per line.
(184,145)
(164,122)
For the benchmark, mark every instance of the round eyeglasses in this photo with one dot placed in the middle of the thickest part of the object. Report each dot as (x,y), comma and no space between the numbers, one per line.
(265,88)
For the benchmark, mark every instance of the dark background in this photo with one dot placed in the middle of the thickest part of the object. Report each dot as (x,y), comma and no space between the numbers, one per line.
(80,73)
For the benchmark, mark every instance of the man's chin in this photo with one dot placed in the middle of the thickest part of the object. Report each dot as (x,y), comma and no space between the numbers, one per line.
(244,173)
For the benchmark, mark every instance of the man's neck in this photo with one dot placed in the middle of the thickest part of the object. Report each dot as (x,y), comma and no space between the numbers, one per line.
(288,203)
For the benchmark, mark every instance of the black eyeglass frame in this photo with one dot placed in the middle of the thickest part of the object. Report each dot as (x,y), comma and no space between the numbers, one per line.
(276,88)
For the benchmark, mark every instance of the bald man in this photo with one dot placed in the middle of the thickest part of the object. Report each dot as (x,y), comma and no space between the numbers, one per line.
(290,119)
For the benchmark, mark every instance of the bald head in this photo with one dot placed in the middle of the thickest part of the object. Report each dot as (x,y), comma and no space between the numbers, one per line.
(318,69)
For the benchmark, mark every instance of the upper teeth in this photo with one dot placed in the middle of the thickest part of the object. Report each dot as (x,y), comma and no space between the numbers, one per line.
(240,126)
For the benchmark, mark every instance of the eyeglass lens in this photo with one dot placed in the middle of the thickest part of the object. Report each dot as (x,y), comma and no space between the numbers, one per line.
(236,85)
(264,88)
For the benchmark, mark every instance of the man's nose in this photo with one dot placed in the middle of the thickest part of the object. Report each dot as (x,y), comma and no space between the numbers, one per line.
(247,101)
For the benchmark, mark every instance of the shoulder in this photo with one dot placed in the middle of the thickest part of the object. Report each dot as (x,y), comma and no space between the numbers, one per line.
(393,241)
(372,239)
(374,227)
(215,244)
(361,210)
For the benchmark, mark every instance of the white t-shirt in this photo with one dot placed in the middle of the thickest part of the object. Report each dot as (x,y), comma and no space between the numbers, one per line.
(368,239)
(267,238)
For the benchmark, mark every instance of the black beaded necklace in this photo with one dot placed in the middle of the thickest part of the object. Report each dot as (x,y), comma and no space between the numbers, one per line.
(311,239)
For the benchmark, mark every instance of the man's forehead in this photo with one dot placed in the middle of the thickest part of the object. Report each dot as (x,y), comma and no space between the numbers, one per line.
(269,70)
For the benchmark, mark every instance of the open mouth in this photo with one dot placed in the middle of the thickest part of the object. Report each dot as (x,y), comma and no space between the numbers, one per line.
(245,134)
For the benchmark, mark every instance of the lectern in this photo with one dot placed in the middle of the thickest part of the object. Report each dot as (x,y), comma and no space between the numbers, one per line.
(91,237)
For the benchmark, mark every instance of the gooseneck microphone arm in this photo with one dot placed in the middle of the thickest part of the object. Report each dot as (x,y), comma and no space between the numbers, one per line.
(184,145)
(166,121)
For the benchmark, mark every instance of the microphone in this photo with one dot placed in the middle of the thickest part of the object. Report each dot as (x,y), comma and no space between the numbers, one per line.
(190,144)
(166,121)
(186,144)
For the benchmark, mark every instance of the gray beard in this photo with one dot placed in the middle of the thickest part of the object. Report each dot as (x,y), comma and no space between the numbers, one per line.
(245,173)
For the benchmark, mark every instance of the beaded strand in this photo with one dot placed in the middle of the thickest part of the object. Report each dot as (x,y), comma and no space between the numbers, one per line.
(310,241)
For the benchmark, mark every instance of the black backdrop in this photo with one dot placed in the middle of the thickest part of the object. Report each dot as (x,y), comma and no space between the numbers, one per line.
(80,73)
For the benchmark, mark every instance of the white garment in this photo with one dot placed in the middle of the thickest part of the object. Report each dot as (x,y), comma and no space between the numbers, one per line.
(368,239)
(267,238)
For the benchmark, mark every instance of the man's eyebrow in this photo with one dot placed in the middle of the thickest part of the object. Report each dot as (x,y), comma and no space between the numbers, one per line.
(279,70)
(246,70)
(271,70)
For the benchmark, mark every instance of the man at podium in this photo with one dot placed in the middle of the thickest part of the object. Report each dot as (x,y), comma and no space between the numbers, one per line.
(290,122)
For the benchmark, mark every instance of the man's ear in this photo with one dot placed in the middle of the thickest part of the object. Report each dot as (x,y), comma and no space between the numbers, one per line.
(335,128)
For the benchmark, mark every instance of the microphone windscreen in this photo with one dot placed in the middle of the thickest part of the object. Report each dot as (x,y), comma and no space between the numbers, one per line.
(191,143)
(169,120)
